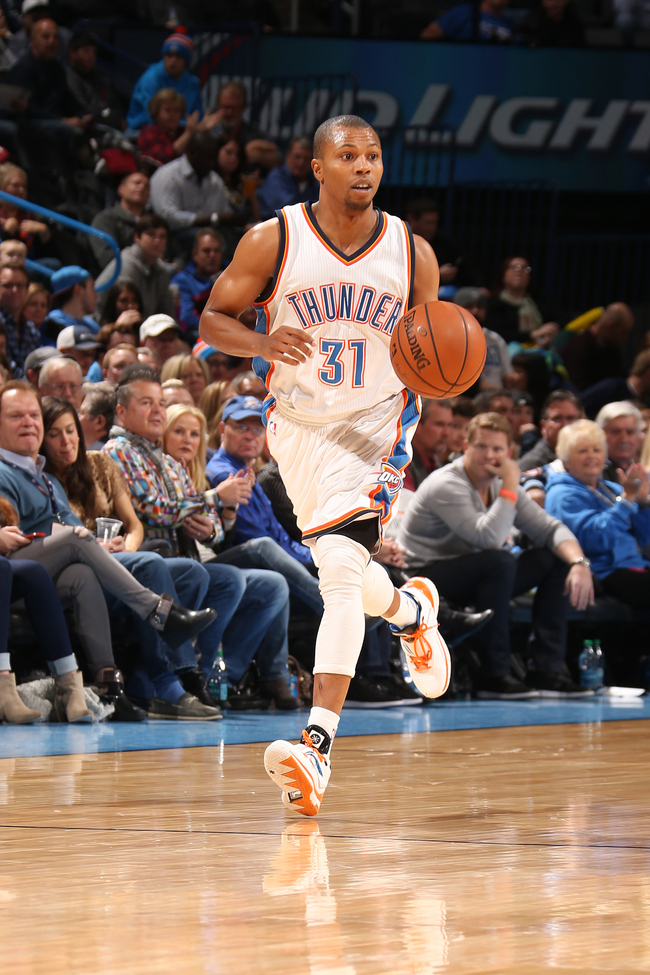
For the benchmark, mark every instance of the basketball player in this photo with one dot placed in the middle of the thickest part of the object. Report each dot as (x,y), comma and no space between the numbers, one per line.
(330,282)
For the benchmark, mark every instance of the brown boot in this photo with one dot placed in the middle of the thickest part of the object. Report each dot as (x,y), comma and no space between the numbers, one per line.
(69,701)
(279,691)
(12,708)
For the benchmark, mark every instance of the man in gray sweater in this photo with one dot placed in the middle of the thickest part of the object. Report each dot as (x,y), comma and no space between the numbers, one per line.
(458,531)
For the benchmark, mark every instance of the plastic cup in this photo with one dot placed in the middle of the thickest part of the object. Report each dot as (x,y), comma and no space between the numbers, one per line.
(107,528)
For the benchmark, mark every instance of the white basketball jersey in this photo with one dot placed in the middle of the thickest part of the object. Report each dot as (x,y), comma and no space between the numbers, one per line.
(347,304)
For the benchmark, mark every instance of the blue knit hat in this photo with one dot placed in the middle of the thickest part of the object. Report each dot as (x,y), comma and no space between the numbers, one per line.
(179,43)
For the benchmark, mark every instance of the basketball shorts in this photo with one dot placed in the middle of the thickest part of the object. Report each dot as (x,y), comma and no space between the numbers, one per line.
(347,469)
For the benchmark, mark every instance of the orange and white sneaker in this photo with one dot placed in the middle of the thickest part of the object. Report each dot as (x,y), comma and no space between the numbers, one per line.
(302,771)
(426,652)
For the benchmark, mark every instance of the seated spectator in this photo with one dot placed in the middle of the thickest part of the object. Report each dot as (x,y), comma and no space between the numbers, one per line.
(240,189)
(97,413)
(191,371)
(117,359)
(36,306)
(148,357)
(610,520)
(92,89)
(462,410)
(161,334)
(429,441)
(61,376)
(511,311)
(253,605)
(165,138)
(175,393)
(232,102)
(293,182)
(621,423)
(497,359)
(13,253)
(52,112)
(529,377)
(76,342)
(594,354)
(73,302)
(19,225)
(171,72)
(219,363)
(32,11)
(143,267)
(423,217)
(120,298)
(79,565)
(34,363)
(22,337)
(188,192)
(559,410)
(499,401)
(635,387)
(457,531)
(20,579)
(120,332)
(214,398)
(554,23)
(119,221)
(195,281)
(249,384)
(456,24)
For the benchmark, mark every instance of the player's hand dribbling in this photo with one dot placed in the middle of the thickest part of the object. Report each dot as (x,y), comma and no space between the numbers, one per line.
(287,344)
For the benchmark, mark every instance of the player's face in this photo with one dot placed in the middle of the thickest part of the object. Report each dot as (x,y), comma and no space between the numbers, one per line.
(351,168)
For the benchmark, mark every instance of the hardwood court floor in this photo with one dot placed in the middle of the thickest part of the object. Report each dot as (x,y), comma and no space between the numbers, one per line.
(510,850)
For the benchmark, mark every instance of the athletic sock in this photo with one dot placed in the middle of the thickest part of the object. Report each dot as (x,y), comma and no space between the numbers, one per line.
(321,719)
(407,612)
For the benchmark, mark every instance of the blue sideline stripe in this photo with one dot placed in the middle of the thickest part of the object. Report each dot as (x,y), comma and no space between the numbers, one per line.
(37,740)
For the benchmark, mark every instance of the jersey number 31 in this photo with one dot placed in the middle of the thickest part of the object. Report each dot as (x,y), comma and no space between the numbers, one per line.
(332,371)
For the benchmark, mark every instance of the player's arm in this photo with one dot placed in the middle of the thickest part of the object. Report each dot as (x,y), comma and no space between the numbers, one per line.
(426,280)
(241,283)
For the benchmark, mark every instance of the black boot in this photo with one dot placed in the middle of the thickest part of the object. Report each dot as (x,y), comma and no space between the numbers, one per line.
(110,688)
(178,624)
(195,682)
(456,625)
(279,691)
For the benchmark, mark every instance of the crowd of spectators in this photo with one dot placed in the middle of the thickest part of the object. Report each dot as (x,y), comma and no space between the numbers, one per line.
(112,407)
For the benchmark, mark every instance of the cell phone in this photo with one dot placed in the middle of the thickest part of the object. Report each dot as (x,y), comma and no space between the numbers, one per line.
(34,535)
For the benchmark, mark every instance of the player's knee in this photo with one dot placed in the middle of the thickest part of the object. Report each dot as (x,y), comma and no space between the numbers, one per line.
(341,565)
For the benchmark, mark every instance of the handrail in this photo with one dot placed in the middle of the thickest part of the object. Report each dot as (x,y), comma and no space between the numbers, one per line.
(74,225)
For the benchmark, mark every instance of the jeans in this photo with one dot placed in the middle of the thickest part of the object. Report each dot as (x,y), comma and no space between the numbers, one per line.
(489,580)
(253,608)
(265,553)
(22,579)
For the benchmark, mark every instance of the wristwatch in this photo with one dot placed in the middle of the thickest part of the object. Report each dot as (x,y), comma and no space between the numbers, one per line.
(582,561)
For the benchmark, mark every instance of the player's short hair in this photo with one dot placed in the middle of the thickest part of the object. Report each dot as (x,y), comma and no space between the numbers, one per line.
(489,421)
(325,131)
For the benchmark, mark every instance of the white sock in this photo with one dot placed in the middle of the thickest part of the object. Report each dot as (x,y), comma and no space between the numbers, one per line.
(327,720)
(407,612)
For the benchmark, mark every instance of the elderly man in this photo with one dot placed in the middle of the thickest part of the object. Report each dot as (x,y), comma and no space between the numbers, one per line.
(119,221)
(143,266)
(62,376)
(595,354)
(21,338)
(621,423)
(79,565)
(252,604)
(457,532)
(96,414)
(35,361)
(293,182)
(429,441)
(161,334)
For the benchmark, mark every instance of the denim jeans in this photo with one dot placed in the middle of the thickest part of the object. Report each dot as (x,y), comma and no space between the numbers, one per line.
(265,553)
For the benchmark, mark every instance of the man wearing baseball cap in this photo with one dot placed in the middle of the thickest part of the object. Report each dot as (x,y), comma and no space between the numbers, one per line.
(171,72)
(73,302)
(162,334)
(78,343)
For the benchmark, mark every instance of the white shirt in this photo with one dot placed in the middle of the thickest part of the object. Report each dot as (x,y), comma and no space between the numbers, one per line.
(26,463)
(178,195)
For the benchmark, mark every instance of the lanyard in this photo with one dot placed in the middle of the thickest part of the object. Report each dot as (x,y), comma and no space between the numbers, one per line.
(49,493)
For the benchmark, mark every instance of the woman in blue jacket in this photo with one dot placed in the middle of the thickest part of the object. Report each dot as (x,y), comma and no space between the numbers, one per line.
(611,521)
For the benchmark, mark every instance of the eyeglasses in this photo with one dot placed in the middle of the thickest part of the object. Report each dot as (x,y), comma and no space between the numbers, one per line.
(13,286)
(60,388)
(519,267)
(247,428)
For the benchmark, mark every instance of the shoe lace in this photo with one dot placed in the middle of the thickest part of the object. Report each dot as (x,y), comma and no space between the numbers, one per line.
(421,651)
(306,739)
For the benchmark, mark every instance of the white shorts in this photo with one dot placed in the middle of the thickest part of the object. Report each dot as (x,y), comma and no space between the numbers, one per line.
(342,471)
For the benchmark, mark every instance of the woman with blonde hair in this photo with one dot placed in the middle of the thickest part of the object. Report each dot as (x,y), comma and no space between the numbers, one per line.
(191,371)
(213,399)
(36,307)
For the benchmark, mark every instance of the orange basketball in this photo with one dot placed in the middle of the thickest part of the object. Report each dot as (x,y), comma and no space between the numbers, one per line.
(438,349)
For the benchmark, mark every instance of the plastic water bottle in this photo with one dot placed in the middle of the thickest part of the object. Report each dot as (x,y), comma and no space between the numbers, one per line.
(218,684)
(591,666)
(293,684)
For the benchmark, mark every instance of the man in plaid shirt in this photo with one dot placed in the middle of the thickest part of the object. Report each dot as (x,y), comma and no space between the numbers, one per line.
(252,604)
(21,339)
